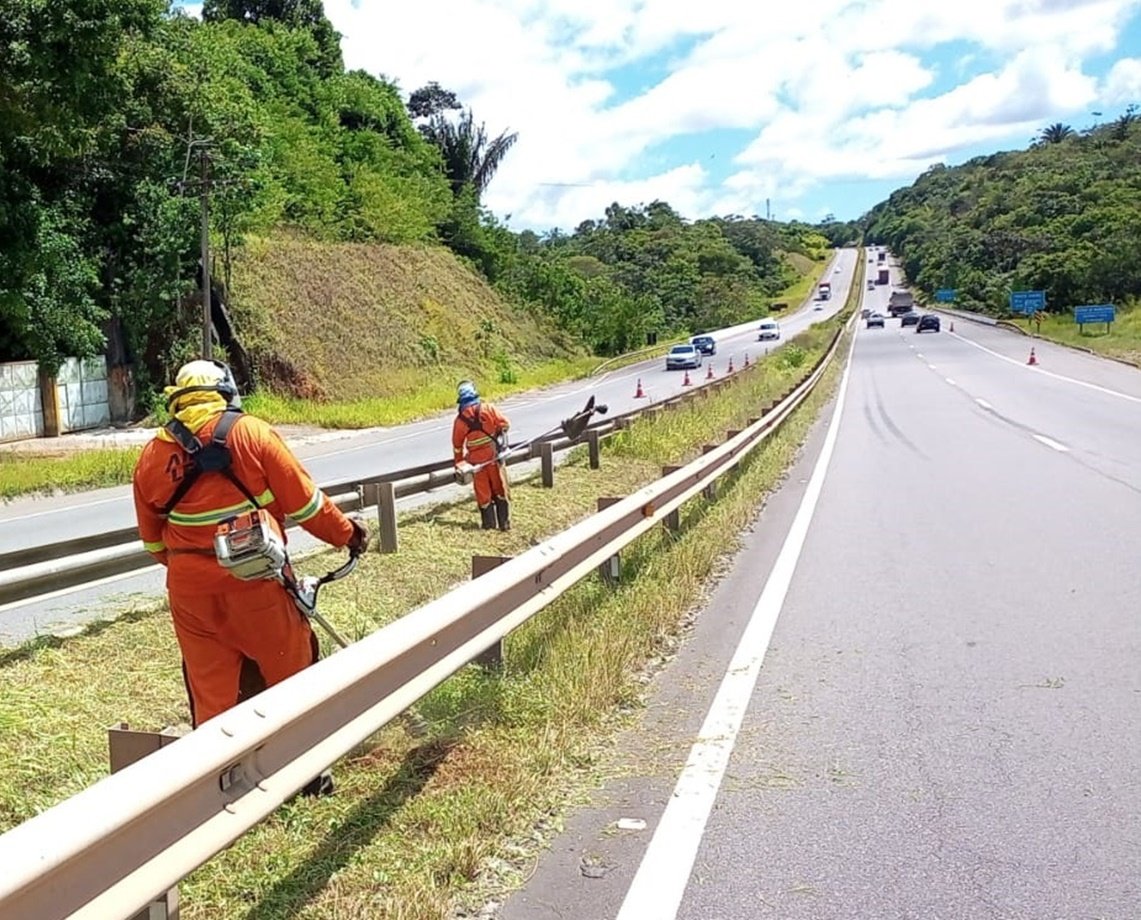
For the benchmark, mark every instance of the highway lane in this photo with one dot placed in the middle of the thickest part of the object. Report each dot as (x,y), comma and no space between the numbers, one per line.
(947,720)
(39,521)
(44,521)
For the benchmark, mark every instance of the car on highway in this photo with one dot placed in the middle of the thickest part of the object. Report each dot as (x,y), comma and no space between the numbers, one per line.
(683,356)
(911,318)
(706,344)
(875,321)
(769,329)
(928,321)
(871,285)
(865,313)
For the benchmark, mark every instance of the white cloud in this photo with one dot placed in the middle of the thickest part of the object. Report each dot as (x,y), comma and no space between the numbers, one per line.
(1122,85)
(843,90)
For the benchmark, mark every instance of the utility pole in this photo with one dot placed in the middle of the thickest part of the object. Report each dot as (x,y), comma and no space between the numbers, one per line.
(207,316)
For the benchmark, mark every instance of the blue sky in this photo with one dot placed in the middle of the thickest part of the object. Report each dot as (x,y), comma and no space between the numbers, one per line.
(719,105)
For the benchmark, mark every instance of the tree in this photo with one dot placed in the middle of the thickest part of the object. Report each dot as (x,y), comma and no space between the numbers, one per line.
(308,15)
(432,99)
(1055,133)
(471,158)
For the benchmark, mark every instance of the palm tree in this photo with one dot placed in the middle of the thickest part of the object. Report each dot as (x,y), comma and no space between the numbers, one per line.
(470,158)
(1055,133)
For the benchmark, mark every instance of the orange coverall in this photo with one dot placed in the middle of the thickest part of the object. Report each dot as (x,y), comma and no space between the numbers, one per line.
(221,620)
(474,432)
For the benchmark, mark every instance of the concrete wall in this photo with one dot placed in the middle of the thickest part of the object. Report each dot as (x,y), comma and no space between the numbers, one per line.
(21,408)
(81,391)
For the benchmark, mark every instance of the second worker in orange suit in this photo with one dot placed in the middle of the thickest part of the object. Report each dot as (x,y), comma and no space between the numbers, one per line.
(478,434)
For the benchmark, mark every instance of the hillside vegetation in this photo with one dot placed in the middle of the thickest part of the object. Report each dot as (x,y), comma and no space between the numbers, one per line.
(1063,216)
(351,321)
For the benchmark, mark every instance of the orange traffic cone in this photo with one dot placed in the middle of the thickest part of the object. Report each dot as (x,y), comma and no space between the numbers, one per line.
(640,393)
(709,373)
(1032,359)
(746,359)
(730,366)
(686,382)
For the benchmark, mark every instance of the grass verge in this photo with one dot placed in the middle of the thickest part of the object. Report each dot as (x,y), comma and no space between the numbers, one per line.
(24,473)
(419,826)
(1121,341)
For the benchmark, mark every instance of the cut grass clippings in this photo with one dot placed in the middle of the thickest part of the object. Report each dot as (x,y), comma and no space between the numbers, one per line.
(418,826)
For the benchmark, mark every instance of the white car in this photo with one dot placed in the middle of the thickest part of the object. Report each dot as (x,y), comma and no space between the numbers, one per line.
(769,329)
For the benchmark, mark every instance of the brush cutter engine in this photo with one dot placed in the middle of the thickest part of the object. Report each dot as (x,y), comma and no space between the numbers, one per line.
(251,546)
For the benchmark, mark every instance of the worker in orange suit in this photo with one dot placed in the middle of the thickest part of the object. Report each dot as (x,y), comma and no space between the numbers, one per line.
(223,623)
(478,437)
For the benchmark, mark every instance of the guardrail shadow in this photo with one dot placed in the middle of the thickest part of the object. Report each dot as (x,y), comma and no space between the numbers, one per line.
(354,831)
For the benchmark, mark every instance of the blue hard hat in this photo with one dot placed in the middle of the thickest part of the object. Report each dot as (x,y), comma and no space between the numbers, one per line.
(466,394)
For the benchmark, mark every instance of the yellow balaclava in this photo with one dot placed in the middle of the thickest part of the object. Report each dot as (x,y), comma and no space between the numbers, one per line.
(196,408)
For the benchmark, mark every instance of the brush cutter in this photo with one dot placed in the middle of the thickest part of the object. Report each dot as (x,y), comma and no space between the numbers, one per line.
(571,428)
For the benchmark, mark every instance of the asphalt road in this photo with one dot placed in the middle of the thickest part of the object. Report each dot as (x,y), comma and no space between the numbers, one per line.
(947,722)
(33,522)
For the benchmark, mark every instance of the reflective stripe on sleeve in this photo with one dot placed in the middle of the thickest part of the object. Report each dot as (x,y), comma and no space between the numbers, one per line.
(156,547)
(308,510)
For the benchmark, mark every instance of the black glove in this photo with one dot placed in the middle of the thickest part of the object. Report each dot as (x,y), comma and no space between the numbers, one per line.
(358,542)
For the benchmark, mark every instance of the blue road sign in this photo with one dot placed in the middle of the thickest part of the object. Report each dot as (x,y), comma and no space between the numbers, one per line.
(945,295)
(1103,313)
(1027,301)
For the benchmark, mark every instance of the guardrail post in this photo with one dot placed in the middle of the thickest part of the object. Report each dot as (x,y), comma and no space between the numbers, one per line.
(611,569)
(672,520)
(383,495)
(125,747)
(594,448)
(547,459)
(492,658)
(710,491)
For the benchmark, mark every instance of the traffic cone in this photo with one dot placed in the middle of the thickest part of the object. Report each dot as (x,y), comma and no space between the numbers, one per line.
(1032,359)
(686,382)
(746,359)
(709,373)
(640,393)
(730,366)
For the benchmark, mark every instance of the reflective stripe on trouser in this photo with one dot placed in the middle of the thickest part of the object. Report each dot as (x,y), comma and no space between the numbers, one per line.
(216,632)
(489,483)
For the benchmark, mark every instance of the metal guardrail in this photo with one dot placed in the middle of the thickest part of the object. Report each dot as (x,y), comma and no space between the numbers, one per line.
(29,572)
(112,848)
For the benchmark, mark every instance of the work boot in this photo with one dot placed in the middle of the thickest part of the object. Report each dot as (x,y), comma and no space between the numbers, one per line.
(487,517)
(319,786)
(502,512)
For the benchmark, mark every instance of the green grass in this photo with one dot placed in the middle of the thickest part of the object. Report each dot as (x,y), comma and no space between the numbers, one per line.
(1123,340)
(809,272)
(415,823)
(23,473)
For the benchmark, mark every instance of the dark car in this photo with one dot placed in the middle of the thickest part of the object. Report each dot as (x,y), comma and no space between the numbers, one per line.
(928,321)
(705,344)
(865,313)
(910,318)
(875,320)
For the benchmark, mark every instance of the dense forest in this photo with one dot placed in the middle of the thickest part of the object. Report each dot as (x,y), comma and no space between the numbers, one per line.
(116,116)
(1063,216)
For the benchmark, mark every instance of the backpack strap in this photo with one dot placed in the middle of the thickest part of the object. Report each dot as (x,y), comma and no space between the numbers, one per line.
(205,458)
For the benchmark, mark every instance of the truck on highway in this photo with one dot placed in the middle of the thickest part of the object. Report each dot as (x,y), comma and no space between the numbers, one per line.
(900,302)
(825,292)
(881,255)
(883,277)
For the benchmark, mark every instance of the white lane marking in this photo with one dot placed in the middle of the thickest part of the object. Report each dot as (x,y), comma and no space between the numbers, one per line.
(1039,370)
(1050,442)
(930,365)
(68,509)
(985,405)
(948,379)
(919,355)
(660,882)
(63,592)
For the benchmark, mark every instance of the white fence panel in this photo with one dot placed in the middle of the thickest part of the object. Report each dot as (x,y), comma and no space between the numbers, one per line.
(21,408)
(82,388)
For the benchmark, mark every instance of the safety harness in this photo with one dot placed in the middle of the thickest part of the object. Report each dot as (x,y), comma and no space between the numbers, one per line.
(476,424)
(211,457)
